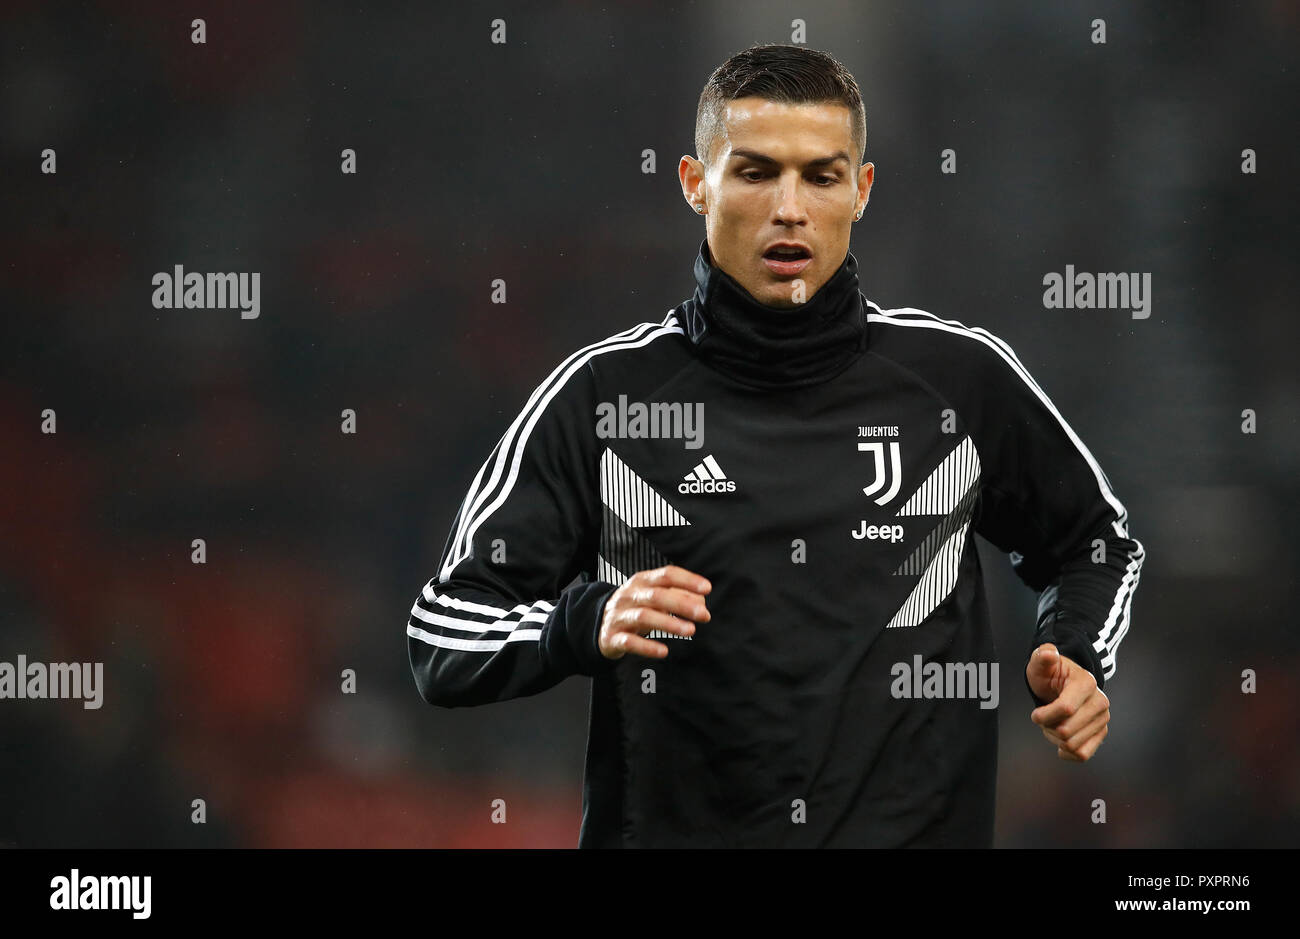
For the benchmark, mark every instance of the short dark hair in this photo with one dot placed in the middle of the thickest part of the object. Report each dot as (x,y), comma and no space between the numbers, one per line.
(785,73)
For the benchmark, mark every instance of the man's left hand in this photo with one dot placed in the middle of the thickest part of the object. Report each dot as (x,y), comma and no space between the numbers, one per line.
(1076,717)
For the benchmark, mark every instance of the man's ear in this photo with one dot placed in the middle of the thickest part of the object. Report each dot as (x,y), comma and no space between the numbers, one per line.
(866,176)
(691,173)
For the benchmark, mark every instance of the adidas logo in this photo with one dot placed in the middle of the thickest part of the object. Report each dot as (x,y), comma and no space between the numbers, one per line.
(706,477)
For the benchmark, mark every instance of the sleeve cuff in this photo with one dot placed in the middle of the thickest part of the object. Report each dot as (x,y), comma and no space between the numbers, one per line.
(571,636)
(1072,642)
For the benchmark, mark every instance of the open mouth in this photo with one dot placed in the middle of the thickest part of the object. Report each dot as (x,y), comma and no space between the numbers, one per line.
(783,253)
(786,259)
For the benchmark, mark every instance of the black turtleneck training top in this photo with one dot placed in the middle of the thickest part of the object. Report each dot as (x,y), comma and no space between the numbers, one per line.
(826,468)
(771,348)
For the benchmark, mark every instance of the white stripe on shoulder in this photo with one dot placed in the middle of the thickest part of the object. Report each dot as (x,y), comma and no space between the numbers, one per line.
(475,496)
(509,450)
(911,313)
(919,319)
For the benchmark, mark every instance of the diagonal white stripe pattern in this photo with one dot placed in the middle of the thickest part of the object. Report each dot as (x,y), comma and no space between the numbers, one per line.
(947,484)
(935,584)
(631,498)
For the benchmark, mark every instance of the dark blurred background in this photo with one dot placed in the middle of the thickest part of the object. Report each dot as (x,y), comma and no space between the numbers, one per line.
(523,161)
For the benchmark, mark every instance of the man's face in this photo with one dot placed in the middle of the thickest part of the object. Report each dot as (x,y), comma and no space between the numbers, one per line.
(780,173)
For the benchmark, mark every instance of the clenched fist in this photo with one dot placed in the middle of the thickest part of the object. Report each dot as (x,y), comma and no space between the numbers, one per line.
(669,598)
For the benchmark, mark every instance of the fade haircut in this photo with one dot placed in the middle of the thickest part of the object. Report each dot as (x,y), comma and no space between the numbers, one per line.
(783,73)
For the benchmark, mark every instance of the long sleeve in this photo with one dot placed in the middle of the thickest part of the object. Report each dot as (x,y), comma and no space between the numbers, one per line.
(1047,502)
(497,621)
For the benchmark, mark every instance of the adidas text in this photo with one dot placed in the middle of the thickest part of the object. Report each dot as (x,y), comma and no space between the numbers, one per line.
(708,485)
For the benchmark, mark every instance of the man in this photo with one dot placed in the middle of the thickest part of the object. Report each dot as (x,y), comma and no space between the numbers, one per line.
(752,526)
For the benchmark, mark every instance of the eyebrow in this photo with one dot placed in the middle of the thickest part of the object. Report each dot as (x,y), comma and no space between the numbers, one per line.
(764,158)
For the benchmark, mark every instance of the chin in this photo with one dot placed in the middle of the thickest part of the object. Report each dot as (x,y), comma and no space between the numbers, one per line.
(779,299)
(779,292)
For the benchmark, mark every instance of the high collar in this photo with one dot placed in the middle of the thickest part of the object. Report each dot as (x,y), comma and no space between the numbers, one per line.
(768,347)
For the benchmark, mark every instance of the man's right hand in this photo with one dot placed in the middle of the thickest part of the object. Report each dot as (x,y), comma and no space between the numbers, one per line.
(669,598)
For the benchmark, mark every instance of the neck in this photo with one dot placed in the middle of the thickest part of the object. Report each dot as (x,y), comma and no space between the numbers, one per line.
(770,347)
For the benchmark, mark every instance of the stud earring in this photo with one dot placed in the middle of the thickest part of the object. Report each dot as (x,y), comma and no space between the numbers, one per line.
(699,207)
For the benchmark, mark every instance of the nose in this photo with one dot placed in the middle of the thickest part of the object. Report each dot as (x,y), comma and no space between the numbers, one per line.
(789,207)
